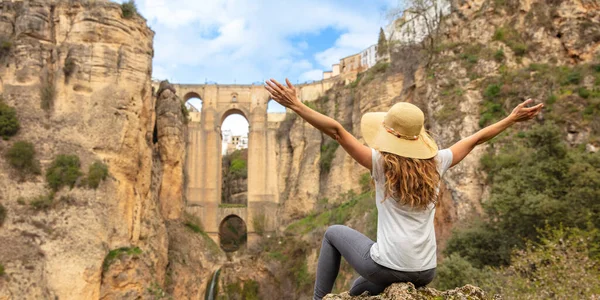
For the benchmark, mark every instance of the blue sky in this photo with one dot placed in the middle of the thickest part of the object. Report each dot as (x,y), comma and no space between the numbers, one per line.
(249,41)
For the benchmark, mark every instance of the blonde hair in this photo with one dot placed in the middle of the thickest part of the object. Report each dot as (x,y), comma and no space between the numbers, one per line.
(411,181)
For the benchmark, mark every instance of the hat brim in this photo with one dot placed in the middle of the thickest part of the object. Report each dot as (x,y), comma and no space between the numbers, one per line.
(378,138)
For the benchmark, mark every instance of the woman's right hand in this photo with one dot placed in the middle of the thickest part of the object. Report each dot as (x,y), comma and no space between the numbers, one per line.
(523,113)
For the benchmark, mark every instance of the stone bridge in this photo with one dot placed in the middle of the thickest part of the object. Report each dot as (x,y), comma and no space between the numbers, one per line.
(204,180)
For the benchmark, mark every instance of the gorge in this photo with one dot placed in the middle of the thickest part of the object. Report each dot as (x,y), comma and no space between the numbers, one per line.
(78,75)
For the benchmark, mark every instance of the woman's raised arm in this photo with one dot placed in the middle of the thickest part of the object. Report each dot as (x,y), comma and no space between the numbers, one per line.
(519,114)
(287,96)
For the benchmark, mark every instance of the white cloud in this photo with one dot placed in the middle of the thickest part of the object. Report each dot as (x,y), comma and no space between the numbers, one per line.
(250,40)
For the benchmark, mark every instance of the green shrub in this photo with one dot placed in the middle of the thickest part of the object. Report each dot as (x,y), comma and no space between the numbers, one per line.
(9,124)
(534,182)
(551,99)
(69,67)
(129,9)
(573,77)
(455,271)
(117,254)
(327,155)
(583,92)
(519,49)
(185,113)
(63,171)
(560,265)
(42,202)
(499,55)
(97,172)
(2,214)
(492,91)
(5,47)
(47,94)
(250,291)
(380,67)
(21,156)
(512,39)
(1,270)
(499,34)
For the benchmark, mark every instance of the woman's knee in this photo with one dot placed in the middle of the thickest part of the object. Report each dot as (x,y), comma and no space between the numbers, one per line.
(334,230)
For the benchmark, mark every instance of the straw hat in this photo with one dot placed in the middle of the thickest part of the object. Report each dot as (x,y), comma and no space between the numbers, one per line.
(399,131)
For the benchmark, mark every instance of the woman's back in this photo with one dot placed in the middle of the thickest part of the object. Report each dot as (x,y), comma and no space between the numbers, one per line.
(405,235)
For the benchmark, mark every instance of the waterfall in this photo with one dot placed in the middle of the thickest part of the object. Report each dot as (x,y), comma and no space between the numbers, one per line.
(212,288)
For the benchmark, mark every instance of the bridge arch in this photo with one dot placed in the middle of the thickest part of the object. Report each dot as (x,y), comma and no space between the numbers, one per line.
(234,109)
(190,95)
(233,233)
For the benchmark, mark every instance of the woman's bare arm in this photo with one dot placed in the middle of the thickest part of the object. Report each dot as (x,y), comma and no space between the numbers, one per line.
(519,114)
(287,96)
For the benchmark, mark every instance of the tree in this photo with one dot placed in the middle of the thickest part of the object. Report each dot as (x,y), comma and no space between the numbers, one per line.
(382,44)
(420,23)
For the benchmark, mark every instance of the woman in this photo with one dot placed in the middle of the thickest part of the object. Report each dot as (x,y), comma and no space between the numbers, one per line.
(406,166)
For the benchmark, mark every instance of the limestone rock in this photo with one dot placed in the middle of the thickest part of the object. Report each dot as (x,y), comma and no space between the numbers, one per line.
(193,257)
(171,148)
(96,67)
(408,291)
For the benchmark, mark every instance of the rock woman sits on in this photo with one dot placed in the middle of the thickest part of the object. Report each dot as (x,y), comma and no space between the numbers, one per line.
(407,167)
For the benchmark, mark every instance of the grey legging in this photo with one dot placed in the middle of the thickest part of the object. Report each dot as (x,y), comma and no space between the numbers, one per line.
(355,247)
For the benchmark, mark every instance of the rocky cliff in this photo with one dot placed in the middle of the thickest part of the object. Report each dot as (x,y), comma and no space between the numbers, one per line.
(477,42)
(78,74)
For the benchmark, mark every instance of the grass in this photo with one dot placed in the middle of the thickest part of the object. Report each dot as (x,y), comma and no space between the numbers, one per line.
(115,254)
(1,270)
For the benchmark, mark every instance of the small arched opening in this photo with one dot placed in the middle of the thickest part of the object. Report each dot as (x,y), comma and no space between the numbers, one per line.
(232,233)
(193,102)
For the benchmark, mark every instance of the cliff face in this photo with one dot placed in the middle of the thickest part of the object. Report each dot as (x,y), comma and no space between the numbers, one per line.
(78,74)
(448,88)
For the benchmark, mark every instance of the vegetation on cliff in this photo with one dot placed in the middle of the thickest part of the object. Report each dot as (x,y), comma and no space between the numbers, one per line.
(22,157)
(97,172)
(9,124)
(234,177)
(63,171)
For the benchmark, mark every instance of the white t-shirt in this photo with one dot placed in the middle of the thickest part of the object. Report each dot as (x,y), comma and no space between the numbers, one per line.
(405,236)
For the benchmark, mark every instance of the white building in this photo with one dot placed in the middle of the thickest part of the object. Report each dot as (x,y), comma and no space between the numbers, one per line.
(232,142)
(411,27)
(368,57)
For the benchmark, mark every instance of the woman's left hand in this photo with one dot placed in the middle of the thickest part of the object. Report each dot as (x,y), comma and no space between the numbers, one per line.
(284,95)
